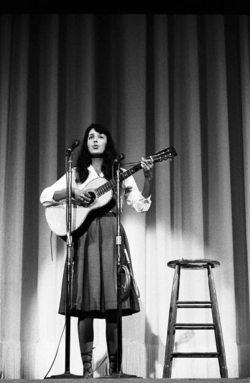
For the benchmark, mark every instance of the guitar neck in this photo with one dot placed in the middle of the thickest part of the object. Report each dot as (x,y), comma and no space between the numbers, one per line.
(112,183)
(162,155)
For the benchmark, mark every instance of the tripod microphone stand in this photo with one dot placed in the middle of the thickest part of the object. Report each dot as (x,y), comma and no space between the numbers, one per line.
(67,374)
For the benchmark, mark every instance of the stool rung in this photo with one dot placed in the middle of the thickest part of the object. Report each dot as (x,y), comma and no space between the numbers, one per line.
(195,354)
(193,304)
(195,326)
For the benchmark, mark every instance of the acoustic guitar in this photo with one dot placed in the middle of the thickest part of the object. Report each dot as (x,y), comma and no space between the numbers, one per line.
(101,192)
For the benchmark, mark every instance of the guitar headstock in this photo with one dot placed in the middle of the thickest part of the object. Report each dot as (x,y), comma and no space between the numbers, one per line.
(164,154)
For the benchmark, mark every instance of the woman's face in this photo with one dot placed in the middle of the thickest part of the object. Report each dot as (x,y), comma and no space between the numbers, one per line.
(96,143)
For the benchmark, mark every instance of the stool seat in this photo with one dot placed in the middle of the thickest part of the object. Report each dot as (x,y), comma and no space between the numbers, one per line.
(193,263)
(175,303)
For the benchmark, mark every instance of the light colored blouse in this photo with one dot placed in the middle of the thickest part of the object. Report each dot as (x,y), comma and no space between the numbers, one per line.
(129,192)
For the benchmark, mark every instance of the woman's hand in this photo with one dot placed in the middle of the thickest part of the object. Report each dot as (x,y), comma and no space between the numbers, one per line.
(147,166)
(82,196)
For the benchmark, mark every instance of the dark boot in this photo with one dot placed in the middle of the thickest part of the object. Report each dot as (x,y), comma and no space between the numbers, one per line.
(113,365)
(87,365)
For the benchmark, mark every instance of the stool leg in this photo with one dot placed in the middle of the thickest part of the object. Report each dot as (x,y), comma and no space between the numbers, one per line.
(167,369)
(217,323)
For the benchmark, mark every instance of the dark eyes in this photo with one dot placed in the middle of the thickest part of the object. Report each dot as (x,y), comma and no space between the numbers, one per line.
(100,136)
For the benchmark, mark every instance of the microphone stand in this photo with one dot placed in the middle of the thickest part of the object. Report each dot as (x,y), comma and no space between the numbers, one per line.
(118,255)
(67,374)
(119,373)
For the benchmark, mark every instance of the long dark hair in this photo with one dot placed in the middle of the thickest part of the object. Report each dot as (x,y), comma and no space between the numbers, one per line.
(84,158)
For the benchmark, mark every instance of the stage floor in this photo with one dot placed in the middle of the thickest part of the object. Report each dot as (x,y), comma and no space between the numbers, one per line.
(134,380)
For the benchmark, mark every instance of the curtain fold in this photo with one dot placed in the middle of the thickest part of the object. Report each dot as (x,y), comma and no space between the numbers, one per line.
(155,80)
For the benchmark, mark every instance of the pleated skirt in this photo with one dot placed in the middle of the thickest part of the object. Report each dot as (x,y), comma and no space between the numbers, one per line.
(94,272)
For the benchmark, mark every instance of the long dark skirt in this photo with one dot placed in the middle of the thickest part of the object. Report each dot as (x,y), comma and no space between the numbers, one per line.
(94,280)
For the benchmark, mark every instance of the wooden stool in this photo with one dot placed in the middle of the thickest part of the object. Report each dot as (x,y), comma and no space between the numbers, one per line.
(196,264)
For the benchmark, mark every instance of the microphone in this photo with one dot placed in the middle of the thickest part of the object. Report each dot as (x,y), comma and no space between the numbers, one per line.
(74,145)
(119,157)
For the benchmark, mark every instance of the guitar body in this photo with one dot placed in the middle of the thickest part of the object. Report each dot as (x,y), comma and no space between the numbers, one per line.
(56,214)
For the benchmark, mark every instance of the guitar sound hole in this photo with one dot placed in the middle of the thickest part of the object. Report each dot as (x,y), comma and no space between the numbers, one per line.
(92,196)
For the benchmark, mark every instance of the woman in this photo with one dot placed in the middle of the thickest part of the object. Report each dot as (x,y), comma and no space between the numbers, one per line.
(94,282)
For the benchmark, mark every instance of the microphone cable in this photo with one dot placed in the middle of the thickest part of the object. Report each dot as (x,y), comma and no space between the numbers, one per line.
(56,352)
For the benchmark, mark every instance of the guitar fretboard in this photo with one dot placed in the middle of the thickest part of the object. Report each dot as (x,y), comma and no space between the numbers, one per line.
(112,183)
(157,157)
